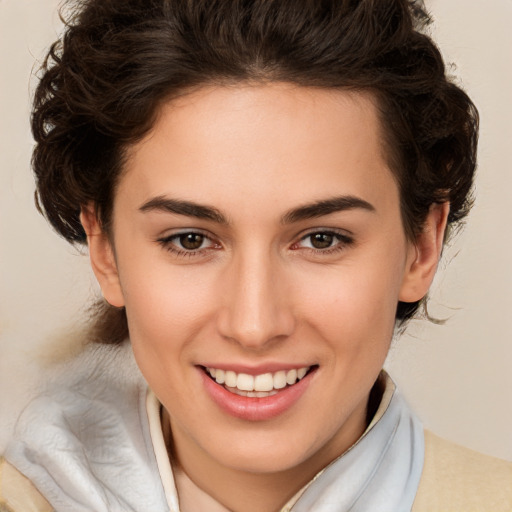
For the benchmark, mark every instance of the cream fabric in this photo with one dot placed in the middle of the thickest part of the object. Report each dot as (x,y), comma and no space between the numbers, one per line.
(456,479)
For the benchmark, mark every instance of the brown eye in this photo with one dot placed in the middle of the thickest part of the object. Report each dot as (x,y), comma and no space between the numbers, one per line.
(191,241)
(188,244)
(321,240)
(324,242)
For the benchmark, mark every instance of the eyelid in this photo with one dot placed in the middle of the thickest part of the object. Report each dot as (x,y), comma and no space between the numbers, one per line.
(170,233)
(341,233)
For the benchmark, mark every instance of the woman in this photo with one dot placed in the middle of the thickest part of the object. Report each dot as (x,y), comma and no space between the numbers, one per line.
(265,189)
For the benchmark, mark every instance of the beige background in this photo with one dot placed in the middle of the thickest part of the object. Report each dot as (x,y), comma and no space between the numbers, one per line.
(458,376)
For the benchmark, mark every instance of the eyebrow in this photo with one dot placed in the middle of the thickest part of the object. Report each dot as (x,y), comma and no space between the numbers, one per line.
(187,208)
(308,211)
(326,207)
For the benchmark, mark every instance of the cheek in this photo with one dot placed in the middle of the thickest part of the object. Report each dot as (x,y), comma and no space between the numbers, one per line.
(353,306)
(165,306)
(167,312)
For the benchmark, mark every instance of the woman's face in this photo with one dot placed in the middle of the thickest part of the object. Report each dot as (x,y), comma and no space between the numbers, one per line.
(257,231)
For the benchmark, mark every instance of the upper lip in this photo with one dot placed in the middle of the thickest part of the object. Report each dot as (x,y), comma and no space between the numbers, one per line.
(256,369)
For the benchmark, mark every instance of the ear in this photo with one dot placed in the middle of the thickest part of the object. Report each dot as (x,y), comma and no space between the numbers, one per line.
(102,257)
(424,255)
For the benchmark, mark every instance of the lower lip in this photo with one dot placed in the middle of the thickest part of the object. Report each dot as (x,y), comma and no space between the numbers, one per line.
(254,408)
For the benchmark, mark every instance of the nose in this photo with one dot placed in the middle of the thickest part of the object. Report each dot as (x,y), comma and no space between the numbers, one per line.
(256,308)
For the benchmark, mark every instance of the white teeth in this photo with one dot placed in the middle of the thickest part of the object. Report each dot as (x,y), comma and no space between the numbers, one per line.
(261,394)
(264,382)
(261,385)
(279,380)
(253,394)
(230,379)
(245,382)
(291,377)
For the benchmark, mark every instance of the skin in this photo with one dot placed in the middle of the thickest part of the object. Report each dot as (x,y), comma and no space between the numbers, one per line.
(257,292)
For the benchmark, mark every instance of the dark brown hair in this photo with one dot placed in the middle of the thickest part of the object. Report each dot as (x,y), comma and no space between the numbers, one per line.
(118,60)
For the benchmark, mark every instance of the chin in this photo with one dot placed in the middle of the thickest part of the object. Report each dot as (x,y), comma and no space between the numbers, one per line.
(266,464)
(271,455)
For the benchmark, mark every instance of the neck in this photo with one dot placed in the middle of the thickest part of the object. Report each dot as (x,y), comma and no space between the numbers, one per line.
(245,491)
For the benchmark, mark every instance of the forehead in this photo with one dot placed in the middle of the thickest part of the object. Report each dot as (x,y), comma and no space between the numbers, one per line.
(278,141)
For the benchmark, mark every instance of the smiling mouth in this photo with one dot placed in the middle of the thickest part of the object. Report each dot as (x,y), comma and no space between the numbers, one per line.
(257,386)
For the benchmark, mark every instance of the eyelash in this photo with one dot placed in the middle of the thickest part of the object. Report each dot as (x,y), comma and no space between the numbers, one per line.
(342,241)
(168,243)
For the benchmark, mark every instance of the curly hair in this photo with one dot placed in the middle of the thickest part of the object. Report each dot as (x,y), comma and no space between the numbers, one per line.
(118,60)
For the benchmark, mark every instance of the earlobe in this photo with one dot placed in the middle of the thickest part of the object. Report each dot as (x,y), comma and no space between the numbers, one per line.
(102,257)
(424,255)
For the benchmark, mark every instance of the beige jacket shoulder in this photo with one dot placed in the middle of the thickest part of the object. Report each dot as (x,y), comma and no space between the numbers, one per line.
(456,479)
(17,494)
